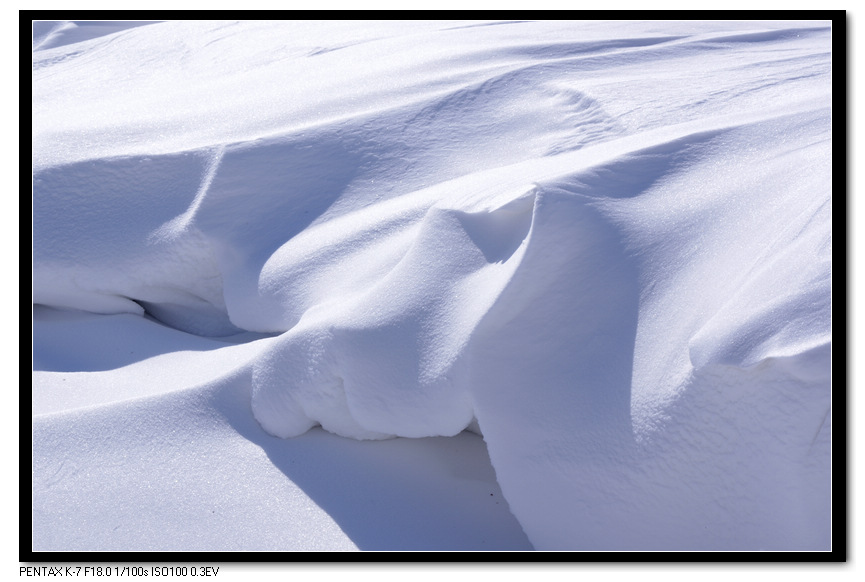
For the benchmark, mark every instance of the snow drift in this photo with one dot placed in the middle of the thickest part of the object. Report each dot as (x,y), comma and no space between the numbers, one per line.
(606,247)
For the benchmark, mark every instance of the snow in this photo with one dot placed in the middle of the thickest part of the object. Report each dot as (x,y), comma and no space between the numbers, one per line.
(439,285)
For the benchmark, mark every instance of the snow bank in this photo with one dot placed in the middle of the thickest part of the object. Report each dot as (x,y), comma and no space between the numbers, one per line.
(608,251)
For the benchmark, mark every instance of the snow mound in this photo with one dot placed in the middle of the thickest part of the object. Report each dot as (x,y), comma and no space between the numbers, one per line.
(608,252)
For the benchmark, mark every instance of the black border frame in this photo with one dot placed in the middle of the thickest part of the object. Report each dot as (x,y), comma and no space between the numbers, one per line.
(840,455)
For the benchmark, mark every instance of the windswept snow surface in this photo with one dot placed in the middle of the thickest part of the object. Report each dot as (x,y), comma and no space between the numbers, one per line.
(604,246)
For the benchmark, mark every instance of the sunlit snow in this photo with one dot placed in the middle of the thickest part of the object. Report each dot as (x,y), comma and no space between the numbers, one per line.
(431,285)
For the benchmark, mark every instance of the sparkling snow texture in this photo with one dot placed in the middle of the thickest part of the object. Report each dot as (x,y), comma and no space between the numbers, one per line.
(604,246)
